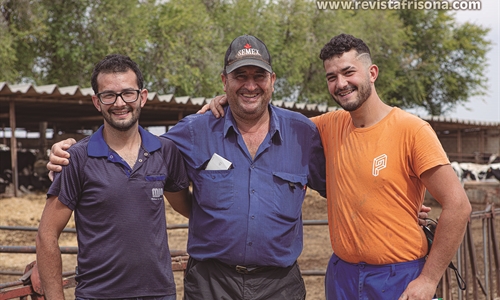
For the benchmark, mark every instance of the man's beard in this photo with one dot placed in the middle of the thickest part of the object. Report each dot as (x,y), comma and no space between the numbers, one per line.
(123,125)
(364,91)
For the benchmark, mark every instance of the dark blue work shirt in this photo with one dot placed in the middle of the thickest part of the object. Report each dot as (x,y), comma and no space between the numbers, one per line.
(250,214)
(120,216)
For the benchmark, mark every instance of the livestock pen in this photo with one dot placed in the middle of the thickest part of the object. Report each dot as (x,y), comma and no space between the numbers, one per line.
(477,258)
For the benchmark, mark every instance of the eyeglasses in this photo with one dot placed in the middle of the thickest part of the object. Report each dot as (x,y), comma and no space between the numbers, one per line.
(127,96)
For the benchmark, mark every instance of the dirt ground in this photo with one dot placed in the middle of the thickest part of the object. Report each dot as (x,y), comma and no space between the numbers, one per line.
(26,211)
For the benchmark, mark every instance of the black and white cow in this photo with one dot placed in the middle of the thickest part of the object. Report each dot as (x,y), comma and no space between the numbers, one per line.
(30,175)
(494,171)
(474,171)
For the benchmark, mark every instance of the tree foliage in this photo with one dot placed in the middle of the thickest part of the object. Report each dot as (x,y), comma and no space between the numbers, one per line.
(444,61)
(21,26)
(426,59)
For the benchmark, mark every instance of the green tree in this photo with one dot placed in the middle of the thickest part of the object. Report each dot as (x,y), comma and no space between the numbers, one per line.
(21,25)
(425,57)
(444,61)
(182,53)
(81,32)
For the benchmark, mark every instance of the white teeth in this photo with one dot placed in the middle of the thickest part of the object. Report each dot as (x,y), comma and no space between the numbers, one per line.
(345,93)
(120,113)
(249,95)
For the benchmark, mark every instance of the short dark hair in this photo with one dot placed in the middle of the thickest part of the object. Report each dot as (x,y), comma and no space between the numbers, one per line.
(342,43)
(116,63)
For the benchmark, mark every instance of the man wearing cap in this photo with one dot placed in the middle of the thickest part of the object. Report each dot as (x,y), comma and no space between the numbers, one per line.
(245,229)
(249,172)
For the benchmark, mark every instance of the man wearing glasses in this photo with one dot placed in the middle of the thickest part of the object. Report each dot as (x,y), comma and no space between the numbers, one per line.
(115,185)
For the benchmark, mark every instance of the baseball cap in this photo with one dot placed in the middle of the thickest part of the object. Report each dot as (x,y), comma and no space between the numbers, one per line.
(247,50)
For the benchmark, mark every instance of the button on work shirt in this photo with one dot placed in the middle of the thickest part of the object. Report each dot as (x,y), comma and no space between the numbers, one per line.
(250,214)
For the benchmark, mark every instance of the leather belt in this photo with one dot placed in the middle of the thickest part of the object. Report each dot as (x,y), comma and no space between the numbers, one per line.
(251,270)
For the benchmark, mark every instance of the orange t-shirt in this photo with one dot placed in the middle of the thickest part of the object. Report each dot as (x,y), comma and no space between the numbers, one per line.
(373,185)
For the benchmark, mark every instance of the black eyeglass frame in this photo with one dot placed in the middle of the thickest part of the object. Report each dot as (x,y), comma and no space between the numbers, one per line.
(138,91)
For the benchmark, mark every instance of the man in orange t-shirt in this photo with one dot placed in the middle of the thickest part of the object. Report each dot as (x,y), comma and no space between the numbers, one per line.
(379,162)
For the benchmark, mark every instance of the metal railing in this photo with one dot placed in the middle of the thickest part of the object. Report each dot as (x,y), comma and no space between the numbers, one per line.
(482,277)
(479,263)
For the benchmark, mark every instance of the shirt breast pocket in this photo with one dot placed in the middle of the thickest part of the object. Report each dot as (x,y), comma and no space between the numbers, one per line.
(216,189)
(154,186)
(289,194)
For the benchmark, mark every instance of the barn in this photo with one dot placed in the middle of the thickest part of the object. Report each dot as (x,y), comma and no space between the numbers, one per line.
(68,112)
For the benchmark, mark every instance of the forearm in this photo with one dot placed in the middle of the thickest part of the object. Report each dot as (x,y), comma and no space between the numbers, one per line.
(447,238)
(180,201)
(50,268)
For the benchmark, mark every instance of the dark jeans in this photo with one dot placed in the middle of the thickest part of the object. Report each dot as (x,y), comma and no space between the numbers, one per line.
(212,279)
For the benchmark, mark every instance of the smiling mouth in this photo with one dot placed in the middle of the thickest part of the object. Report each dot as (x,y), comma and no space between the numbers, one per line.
(345,92)
(250,95)
(120,112)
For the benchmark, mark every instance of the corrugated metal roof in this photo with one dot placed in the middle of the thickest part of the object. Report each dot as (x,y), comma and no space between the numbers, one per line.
(444,119)
(70,108)
(60,105)
(72,91)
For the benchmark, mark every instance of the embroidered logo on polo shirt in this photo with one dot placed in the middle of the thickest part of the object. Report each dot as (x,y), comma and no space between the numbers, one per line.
(157,193)
(156,182)
(379,163)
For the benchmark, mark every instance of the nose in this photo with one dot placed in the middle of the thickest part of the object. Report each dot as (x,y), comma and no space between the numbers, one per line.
(341,81)
(251,84)
(119,101)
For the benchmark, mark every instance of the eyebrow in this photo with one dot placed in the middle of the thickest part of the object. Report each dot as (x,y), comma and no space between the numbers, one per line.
(341,70)
(123,90)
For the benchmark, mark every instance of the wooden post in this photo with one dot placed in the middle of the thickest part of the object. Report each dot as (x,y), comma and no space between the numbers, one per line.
(42,146)
(4,139)
(496,252)
(481,144)
(13,146)
(459,145)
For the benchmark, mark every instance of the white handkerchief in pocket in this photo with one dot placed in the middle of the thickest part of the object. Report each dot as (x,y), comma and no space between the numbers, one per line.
(218,162)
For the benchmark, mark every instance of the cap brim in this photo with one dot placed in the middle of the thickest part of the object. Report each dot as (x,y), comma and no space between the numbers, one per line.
(249,62)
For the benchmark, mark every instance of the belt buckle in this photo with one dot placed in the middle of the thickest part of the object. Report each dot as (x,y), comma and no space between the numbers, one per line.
(242,269)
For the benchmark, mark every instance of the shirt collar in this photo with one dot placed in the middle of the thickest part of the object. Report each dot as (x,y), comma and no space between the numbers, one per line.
(97,147)
(274,128)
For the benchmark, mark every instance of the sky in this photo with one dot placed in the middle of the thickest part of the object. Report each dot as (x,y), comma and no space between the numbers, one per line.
(484,108)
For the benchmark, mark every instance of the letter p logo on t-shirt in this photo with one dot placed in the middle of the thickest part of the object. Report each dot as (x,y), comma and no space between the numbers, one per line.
(379,163)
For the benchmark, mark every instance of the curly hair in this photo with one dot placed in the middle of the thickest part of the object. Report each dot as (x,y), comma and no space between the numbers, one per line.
(116,63)
(342,43)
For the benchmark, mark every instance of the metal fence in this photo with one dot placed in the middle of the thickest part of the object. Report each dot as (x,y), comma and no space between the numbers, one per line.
(477,261)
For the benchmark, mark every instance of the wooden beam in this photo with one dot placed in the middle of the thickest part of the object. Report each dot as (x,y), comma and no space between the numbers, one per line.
(13,146)
(43,140)
(459,144)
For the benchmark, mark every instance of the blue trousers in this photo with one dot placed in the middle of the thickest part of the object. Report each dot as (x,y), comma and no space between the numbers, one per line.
(362,281)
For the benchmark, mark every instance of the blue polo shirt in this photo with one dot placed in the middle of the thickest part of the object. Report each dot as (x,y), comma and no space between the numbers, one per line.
(250,214)
(120,216)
